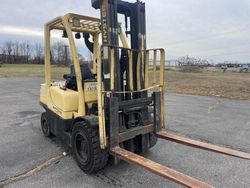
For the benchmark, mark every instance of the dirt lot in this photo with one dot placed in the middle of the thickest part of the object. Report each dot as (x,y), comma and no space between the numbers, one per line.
(230,85)
(219,121)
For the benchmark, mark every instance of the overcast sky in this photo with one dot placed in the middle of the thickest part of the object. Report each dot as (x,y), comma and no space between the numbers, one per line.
(210,29)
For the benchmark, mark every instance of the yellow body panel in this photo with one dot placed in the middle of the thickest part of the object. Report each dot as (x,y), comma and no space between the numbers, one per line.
(90,92)
(65,102)
(43,94)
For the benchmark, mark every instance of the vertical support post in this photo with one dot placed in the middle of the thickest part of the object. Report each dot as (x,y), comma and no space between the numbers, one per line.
(47,55)
(109,28)
(157,111)
(131,82)
(96,46)
(162,71)
(81,99)
(123,40)
(105,22)
(106,40)
(154,66)
(146,69)
(139,70)
(100,97)
(113,122)
(112,69)
(142,68)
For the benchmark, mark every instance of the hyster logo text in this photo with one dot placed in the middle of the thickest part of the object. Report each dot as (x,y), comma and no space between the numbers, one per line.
(104,23)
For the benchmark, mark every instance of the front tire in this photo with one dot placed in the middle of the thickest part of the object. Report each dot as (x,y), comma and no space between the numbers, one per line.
(45,125)
(86,148)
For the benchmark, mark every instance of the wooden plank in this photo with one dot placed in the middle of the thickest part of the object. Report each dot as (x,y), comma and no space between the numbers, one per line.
(202,145)
(157,168)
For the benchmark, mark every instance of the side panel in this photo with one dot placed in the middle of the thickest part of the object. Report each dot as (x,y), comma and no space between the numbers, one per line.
(63,103)
(60,127)
(90,92)
(65,100)
(43,94)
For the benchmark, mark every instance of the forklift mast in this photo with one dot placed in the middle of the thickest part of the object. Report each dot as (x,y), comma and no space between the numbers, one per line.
(135,12)
(135,21)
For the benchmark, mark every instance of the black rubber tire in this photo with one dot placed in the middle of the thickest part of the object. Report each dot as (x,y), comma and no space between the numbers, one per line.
(96,157)
(152,140)
(45,125)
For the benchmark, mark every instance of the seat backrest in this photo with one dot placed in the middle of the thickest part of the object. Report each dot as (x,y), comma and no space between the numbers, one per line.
(87,75)
(85,70)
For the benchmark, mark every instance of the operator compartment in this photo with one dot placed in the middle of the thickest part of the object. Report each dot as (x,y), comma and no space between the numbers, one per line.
(63,95)
(88,80)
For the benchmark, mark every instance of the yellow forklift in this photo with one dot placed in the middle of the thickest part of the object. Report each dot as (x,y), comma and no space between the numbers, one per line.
(116,109)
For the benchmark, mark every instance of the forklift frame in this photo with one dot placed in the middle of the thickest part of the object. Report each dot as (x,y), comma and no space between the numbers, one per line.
(92,26)
(138,62)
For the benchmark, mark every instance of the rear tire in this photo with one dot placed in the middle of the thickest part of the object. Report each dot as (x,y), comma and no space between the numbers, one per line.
(86,148)
(45,125)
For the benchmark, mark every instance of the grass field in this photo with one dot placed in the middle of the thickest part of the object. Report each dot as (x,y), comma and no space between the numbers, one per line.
(29,70)
(227,85)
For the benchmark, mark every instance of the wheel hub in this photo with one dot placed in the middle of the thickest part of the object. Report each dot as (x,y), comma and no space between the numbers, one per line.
(45,126)
(82,147)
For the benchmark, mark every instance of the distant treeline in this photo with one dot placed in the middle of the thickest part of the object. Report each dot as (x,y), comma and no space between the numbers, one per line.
(14,52)
(193,61)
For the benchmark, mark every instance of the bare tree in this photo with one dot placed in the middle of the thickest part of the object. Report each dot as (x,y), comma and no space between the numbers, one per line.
(28,50)
(192,61)
(66,55)
(8,46)
(191,64)
(57,52)
(3,54)
(38,53)
(16,49)
(25,52)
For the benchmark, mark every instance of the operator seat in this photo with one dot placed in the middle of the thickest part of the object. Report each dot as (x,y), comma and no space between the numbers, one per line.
(87,75)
